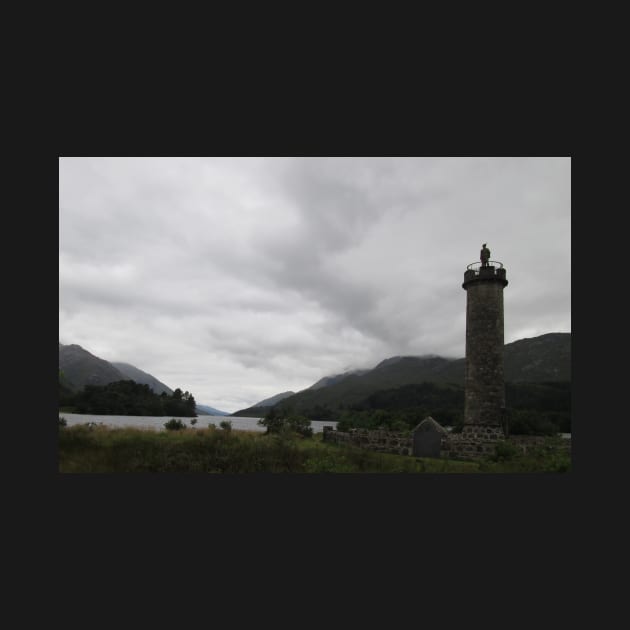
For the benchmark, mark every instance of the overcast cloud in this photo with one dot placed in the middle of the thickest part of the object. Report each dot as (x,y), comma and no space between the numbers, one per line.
(239,278)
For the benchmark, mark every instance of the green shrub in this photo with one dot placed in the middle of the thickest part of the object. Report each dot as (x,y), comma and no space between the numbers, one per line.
(63,422)
(273,421)
(174,425)
(344,424)
(226,425)
(193,422)
(284,436)
(286,422)
(301,425)
(504,451)
(528,422)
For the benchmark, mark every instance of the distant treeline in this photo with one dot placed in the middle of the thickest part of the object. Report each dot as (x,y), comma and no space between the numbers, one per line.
(532,408)
(127,398)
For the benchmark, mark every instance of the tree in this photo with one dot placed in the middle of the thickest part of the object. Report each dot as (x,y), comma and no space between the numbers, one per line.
(277,422)
(300,424)
(273,421)
(131,398)
(190,403)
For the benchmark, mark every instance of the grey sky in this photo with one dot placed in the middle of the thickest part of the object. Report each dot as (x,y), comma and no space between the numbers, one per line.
(239,278)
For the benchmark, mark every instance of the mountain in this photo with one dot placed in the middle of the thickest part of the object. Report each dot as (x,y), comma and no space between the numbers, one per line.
(205,410)
(388,374)
(270,402)
(81,368)
(546,358)
(539,359)
(143,378)
(261,408)
(331,380)
(252,412)
(353,386)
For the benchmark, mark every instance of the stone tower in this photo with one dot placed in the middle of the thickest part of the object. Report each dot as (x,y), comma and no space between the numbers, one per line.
(485,387)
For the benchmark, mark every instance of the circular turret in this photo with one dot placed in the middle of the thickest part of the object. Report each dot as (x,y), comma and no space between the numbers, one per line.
(484,381)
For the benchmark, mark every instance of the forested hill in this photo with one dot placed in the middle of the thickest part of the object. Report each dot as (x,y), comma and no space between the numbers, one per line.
(270,402)
(546,358)
(138,376)
(543,359)
(81,368)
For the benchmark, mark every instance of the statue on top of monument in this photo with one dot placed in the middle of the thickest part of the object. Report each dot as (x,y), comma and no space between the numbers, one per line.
(484,255)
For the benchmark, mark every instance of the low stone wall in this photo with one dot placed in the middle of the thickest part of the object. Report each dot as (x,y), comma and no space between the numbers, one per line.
(380,441)
(483,433)
(461,446)
(526,442)
(458,447)
(474,443)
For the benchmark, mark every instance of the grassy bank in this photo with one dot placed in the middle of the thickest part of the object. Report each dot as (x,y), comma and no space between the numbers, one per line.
(85,448)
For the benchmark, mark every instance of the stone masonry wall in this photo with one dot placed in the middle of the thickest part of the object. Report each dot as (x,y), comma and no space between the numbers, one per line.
(380,441)
(459,446)
(465,445)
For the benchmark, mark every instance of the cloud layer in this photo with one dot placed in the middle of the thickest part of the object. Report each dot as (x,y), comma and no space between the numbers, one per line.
(238,278)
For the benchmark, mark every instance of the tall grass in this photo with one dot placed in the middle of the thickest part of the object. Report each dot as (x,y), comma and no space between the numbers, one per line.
(84,448)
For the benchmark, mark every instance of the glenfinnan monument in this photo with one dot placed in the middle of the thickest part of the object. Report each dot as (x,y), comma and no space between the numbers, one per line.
(485,388)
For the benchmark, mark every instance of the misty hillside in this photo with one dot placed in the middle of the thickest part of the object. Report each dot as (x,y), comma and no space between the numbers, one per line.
(206,410)
(143,378)
(81,368)
(261,408)
(252,412)
(270,402)
(542,359)
(332,380)
(386,375)
(546,358)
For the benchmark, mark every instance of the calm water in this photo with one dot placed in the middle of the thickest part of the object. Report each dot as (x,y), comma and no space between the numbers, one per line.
(157,422)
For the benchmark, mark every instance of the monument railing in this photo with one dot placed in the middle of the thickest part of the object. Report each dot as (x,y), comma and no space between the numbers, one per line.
(476,266)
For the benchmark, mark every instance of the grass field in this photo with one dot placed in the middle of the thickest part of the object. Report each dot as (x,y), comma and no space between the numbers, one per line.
(89,448)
